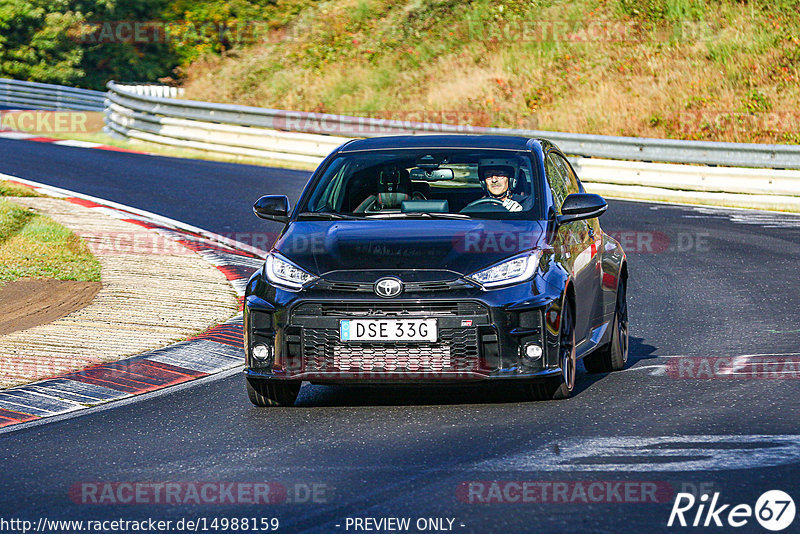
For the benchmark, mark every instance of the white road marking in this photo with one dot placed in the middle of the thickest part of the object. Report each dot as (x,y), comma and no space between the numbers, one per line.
(764,219)
(16,135)
(655,370)
(199,355)
(218,258)
(76,143)
(663,453)
(124,402)
(708,210)
(755,354)
(38,399)
(741,365)
(21,407)
(81,392)
(240,286)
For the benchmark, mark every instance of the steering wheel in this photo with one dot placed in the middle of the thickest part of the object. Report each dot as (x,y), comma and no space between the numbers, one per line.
(483,204)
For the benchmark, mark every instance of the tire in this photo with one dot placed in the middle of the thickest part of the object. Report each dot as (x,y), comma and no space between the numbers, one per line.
(562,386)
(613,355)
(272,392)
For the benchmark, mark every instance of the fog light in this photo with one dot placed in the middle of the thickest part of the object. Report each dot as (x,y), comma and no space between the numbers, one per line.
(533,352)
(262,352)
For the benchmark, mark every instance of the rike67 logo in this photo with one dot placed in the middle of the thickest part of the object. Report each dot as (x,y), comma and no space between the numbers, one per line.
(774,510)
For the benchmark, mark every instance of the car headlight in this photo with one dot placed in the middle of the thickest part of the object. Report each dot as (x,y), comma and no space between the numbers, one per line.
(512,271)
(281,272)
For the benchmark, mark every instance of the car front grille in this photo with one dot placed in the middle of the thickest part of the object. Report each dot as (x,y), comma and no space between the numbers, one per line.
(314,345)
(456,351)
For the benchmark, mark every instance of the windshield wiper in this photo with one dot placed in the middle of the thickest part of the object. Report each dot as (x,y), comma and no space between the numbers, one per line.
(326,215)
(420,214)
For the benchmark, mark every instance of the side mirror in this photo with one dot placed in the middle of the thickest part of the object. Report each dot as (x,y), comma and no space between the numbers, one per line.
(273,208)
(580,206)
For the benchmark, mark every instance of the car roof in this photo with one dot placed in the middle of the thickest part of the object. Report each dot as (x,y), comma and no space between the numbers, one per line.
(505,142)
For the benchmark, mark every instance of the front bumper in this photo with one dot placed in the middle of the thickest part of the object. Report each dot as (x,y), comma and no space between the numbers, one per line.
(482,335)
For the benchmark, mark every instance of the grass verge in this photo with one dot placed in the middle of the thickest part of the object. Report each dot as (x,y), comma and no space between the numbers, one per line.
(35,246)
(722,70)
(8,189)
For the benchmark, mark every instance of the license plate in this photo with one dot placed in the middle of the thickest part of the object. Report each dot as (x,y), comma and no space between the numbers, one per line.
(388,330)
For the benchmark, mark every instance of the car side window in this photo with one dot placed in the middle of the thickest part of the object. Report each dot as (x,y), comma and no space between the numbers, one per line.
(320,198)
(558,181)
(573,185)
(566,170)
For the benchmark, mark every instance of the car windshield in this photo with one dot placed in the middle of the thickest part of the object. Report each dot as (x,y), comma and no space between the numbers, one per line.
(436,184)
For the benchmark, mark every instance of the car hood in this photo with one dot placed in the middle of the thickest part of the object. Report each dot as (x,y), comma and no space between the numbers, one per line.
(457,247)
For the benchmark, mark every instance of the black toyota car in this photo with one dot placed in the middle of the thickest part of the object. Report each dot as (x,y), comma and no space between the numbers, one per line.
(436,259)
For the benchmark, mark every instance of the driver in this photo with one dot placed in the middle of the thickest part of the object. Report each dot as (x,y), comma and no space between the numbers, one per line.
(497,181)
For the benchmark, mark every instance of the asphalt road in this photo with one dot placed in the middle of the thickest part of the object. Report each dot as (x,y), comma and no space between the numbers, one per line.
(213,195)
(704,283)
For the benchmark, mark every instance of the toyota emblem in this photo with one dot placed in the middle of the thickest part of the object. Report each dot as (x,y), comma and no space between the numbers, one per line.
(388,287)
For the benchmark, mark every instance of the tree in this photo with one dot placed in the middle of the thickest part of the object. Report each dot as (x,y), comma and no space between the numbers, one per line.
(36,42)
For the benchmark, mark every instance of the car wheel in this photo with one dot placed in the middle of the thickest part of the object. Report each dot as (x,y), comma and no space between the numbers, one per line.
(272,392)
(613,355)
(561,387)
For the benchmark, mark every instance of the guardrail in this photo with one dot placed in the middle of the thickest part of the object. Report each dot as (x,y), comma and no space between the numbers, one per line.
(769,189)
(151,89)
(34,95)
(243,130)
(154,114)
(135,112)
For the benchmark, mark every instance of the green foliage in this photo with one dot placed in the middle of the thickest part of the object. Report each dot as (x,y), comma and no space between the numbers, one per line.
(108,57)
(35,43)
(216,26)
(12,219)
(88,42)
